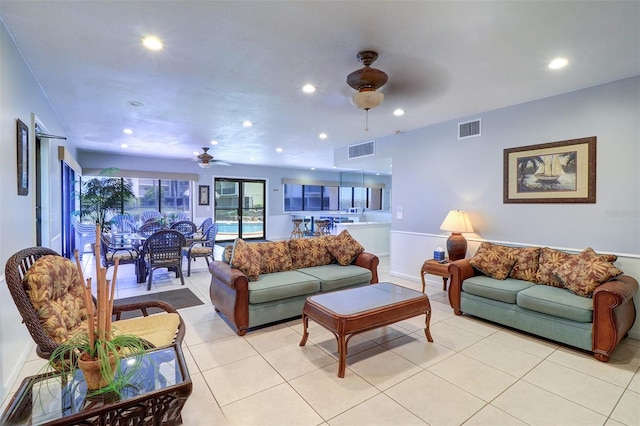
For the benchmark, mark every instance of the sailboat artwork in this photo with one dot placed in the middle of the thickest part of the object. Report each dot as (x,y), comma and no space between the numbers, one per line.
(551,172)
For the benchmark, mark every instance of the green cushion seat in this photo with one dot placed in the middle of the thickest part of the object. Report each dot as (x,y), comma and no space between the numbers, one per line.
(335,276)
(502,290)
(558,302)
(282,285)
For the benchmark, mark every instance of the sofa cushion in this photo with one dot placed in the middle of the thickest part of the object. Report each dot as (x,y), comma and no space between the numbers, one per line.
(274,256)
(551,259)
(334,276)
(344,248)
(558,302)
(307,252)
(246,258)
(502,290)
(56,293)
(583,273)
(493,260)
(282,285)
(526,266)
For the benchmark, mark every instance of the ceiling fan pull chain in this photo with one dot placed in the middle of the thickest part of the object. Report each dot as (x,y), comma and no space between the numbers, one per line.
(366,120)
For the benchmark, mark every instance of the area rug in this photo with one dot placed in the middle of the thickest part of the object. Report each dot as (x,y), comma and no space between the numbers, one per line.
(182,298)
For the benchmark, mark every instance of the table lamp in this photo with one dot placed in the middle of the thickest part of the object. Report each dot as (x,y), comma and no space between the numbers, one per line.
(456,222)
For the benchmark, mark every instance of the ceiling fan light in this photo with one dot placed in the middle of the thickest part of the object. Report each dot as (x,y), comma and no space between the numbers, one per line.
(367,99)
(204,165)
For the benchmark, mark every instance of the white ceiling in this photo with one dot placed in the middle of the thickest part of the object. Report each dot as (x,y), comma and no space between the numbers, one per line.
(225,62)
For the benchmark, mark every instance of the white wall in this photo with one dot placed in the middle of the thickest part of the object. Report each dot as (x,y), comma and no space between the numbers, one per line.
(435,172)
(20,97)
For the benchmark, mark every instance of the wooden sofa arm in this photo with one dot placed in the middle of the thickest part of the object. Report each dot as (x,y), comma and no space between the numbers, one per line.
(613,314)
(229,293)
(369,261)
(460,270)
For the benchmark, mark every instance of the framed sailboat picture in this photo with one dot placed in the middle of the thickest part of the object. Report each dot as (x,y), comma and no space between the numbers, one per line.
(555,172)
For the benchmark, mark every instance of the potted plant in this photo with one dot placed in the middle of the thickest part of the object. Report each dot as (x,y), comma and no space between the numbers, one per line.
(97,350)
(102,195)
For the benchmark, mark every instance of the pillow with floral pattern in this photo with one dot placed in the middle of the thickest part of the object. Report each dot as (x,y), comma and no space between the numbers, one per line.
(344,248)
(246,258)
(583,273)
(493,260)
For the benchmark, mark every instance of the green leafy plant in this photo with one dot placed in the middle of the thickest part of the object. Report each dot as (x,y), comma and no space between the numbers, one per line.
(103,195)
(100,342)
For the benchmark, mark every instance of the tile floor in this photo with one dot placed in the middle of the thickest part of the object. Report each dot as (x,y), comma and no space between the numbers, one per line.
(474,373)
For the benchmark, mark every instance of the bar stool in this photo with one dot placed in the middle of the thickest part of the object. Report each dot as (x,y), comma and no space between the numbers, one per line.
(297,232)
(322,227)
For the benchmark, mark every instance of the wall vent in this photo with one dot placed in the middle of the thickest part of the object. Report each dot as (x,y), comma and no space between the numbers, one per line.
(366,149)
(469,129)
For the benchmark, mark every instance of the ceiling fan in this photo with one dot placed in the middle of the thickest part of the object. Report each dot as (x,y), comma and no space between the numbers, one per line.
(366,81)
(206,160)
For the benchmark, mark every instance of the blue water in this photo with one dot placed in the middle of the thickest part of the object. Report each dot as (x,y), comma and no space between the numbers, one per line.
(232,227)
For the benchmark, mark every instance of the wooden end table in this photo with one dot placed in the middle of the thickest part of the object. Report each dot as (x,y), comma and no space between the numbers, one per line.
(434,267)
(156,395)
(356,310)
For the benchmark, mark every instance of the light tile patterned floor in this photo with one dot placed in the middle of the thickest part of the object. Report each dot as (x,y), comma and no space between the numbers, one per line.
(474,373)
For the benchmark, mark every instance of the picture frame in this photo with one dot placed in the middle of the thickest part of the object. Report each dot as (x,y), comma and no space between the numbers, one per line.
(22,141)
(203,195)
(555,172)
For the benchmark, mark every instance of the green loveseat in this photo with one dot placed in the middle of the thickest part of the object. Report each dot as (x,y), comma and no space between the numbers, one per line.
(265,282)
(534,299)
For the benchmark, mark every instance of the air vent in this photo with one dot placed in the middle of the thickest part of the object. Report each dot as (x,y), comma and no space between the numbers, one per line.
(469,129)
(366,149)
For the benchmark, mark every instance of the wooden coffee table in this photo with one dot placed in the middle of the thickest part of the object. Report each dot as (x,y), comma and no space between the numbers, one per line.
(349,312)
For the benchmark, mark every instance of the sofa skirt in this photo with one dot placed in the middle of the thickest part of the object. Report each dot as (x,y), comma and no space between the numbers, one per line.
(561,330)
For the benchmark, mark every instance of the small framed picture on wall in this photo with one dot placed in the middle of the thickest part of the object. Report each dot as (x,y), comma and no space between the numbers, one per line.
(203,195)
(23,157)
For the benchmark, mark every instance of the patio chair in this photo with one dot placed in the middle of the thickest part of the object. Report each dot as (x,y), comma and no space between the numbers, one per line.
(201,248)
(123,223)
(149,228)
(149,214)
(181,216)
(124,251)
(205,224)
(85,233)
(163,249)
(47,291)
(185,227)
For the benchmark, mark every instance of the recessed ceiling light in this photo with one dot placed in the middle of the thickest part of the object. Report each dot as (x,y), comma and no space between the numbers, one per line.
(124,145)
(322,135)
(313,168)
(247,123)
(214,142)
(196,153)
(558,63)
(152,43)
(127,131)
(279,150)
(398,112)
(308,88)
(252,158)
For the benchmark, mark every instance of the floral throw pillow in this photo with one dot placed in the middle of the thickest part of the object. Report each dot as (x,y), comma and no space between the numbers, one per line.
(344,248)
(308,252)
(54,289)
(274,256)
(493,260)
(246,258)
(583,273)
(551,259)
(526,266)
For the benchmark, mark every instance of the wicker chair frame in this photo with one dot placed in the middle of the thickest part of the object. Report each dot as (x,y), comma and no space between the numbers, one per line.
(15,269)
(163,249)
(185,227)
(208,240)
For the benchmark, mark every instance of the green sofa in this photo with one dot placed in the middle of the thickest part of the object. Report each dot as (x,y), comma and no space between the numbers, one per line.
(595,323)
(273,281)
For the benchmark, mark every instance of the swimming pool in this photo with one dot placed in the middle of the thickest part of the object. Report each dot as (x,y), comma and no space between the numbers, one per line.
(247,227)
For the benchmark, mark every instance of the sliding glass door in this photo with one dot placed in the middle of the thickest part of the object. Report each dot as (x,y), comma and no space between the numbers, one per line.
(240,208)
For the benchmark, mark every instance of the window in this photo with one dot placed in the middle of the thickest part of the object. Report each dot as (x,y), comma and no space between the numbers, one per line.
(317,198)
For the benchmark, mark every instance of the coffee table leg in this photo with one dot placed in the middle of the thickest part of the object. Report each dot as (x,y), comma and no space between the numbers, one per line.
(427,332)
(342,354)
(305,334)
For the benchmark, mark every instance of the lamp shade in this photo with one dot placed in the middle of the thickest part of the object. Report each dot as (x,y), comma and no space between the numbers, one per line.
(367,99)
(457,221)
